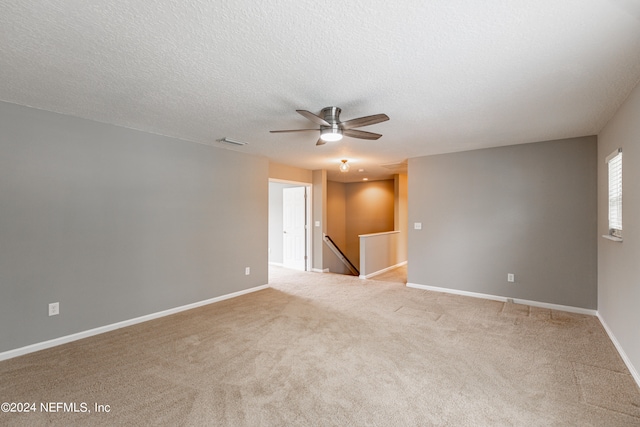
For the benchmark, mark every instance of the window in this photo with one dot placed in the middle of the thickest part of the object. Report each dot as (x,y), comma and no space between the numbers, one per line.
(614,166)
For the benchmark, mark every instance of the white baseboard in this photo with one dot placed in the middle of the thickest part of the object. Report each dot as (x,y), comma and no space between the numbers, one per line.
(623,355)
(102,329)
(558,307)
(384,270)
(277,264)
(320,270)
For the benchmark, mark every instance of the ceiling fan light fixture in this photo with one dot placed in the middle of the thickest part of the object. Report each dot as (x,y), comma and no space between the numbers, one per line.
(331,134)
(332,129)
(344,166)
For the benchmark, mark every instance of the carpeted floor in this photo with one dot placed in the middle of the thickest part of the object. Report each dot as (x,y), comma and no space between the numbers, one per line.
(324,349)
(398,275)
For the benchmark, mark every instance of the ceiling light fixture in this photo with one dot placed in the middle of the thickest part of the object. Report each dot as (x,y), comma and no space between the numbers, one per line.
(331,133)
(344,166)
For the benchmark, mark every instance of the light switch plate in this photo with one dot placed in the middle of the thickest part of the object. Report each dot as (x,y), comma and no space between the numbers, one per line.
(417,226)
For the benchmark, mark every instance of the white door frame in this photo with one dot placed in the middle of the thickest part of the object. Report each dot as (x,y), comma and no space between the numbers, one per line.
(309,234)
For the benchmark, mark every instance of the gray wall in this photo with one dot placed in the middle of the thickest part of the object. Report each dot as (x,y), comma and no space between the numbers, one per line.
(525,209)
(619,263)
(114,224)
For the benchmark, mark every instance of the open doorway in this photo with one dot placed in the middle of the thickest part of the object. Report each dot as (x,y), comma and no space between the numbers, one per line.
(289,219)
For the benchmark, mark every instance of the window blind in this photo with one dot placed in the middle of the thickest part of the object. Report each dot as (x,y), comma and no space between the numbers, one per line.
(614,162)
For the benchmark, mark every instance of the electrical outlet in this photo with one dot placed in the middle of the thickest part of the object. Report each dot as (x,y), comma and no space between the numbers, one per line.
(511,277)
(54,308)
(247,271)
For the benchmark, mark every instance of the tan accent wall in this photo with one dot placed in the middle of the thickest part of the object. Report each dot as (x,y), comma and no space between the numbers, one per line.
(369,209)
(280,172)
(336,223)
(401,214)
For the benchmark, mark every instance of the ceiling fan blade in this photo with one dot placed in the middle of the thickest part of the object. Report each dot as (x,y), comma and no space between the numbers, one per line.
(320,142)
(364,121)
(292,130)
(353,133)
(315,119)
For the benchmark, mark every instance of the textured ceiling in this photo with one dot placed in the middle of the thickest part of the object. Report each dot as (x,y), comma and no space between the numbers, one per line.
(451,74)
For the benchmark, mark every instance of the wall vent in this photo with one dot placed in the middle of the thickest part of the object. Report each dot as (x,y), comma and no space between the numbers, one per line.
(226,140)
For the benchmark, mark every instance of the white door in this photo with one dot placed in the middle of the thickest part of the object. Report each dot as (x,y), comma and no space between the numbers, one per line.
(293,223)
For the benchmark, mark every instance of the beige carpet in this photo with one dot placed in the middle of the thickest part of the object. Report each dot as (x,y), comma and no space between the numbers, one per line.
(323,349)
(398,275)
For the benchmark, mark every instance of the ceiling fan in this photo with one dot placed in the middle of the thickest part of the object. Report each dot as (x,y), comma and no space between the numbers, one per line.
(332,129)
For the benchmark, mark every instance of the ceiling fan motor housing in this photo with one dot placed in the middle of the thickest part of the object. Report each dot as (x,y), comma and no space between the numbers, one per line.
(332,116)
